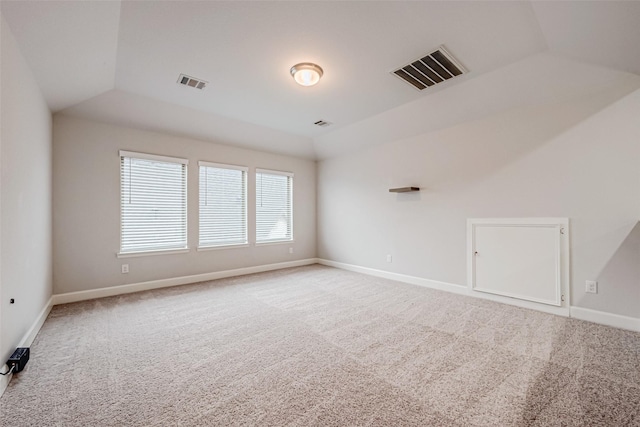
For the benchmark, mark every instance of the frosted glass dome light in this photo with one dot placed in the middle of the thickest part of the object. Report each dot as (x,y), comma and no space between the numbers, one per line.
(306,73)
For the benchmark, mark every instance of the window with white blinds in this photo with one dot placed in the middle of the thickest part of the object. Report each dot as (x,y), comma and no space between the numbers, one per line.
(153,205)
(274,207)
(223,205)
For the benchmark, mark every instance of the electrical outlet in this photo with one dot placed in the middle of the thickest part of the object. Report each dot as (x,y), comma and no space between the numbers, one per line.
(290,250)
(389,258)
(125,268)
(591,287)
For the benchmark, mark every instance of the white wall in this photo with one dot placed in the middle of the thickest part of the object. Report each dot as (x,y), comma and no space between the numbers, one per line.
(25,198)
(86,222)
(577,158)
(621,273)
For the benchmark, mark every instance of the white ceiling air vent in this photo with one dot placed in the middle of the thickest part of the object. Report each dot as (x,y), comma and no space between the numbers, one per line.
(430,70)
(192,82)
(322,123)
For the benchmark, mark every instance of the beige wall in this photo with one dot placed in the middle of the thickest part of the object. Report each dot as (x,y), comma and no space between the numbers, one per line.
(578,159)
(25,198)
(86,221)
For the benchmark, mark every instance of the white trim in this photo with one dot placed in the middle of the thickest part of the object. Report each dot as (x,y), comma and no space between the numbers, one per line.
(31,334)
(600,317)
(149,253)
(558,311)
(521,221)
(4,380)
(604,318)
(57,299)
(451,58)
(434,284)
(155,157)
(447,287)
(273,242)
(290,177)
(557,301)
(27,340)
(204,219)
(272,172)
(175,281)
(222,166)
(215,248)
(563,284)
(185,178)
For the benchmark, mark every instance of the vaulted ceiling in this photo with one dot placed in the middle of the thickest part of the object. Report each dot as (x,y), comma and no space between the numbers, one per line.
(119,61)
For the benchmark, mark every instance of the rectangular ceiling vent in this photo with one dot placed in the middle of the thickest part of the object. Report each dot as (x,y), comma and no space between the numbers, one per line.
(322,123)
(192,82)
(430,70)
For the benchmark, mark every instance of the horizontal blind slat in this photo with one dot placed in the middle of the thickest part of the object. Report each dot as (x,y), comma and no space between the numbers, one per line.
(153,203)
(223,206)
(274,215)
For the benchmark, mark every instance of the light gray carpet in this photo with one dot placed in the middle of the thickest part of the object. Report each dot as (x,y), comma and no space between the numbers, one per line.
(320,346)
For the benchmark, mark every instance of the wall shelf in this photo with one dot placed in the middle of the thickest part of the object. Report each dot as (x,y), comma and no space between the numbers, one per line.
(404,189)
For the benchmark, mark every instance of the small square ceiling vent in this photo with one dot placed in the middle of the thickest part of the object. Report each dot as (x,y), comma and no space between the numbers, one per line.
(430,70)
(192,82)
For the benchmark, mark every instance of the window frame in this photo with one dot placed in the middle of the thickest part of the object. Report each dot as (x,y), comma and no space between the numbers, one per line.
(290,176)
(159,158)
(243,169)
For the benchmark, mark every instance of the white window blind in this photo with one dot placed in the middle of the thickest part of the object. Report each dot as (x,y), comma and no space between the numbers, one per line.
(153,191)
(274,207)
(223,205)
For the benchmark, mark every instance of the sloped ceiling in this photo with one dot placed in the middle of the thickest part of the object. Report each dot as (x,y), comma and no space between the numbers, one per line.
(119,61)
(542,79)
(605,33)
(70,46)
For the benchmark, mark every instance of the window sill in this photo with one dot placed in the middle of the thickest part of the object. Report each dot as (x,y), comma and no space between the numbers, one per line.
(275,242)
(150,253)
(215,248)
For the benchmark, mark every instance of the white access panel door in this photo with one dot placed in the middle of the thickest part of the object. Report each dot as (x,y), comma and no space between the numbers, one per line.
(518,260)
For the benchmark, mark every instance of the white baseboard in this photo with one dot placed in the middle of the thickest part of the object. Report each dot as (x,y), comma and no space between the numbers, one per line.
(4,380)
(601,317)
(174,281)
(57,299)
(27,340)
(604,318)
(447,287)
(433,284)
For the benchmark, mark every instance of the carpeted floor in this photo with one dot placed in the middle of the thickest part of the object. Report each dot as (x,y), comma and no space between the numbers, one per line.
(320,346)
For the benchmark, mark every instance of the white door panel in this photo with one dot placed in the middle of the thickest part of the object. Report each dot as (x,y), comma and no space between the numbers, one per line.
(519,258)
(520,262)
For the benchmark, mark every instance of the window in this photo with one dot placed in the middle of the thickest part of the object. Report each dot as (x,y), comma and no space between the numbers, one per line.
(223,205)
(153,205)
(274,212)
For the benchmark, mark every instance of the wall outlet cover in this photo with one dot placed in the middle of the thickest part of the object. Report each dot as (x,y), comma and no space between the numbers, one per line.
(591,287)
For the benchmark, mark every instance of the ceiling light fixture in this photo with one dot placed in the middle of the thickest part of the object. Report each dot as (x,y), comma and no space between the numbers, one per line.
(306,73)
